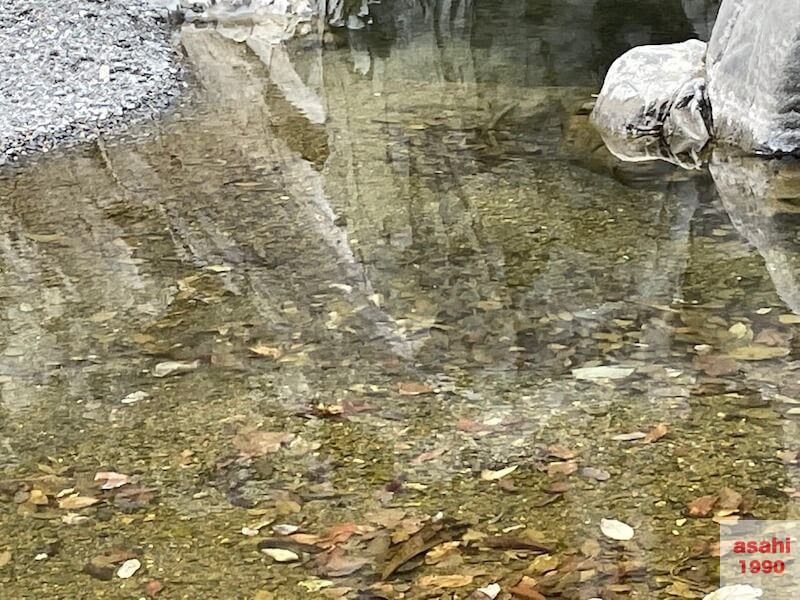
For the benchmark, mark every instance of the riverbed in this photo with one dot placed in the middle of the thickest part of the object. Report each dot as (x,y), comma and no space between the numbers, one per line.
(382,318)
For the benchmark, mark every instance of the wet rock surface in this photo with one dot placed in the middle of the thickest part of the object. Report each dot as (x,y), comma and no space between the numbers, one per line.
(753,78)
(73,70)
(653,104)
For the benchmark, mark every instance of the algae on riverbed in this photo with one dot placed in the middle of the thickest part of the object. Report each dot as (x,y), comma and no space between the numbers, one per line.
(399,317)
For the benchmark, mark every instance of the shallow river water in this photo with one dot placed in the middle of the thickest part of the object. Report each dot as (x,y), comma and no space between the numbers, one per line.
(384,319)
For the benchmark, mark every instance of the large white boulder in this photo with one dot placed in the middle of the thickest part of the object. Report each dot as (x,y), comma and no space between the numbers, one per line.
(753,69)
(653,104)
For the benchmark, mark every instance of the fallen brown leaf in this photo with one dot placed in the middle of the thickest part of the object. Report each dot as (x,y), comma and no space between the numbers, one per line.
(429,536)
(562,468)
(152,588)
(702,506)
(337,564)
(729,500)
(413,388)
(561,452)
(430,455)
(470,426)
(267,351)
(525,589)
(773,337)
(558,487)
(715,365)
(111,480)
(386,517)
(597,474)
(656,433)
(338,534)
(259,443)
(445,581)
(76,502)
(507,542)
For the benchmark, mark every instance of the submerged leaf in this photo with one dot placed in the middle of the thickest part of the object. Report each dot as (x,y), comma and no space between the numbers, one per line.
(337,564)
(76,502)
(268,351)
(616,530)
(152,588)
(128,568)
(111,480)
(430,455)
(758,352)
(445,581)
(608,372)
(561,452)
(629,437)
(280,555)
(488,475)
(702,506)
(413,388)
(656,433)
(562,468)
(735,592)
(259,443)
(174,367)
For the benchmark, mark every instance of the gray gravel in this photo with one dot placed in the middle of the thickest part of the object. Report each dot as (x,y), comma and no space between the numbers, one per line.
(73,69)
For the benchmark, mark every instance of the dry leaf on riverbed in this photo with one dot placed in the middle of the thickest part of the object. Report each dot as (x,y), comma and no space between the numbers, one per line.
(429,536)
(488,475)
(735,592)
(267,351)
(174,367)
(430,455)
(562,468)
(561,452)
(758,352)
(616,530)
(259,443)
(152,588)
(510,542)
(702,506)
(490,592)
(111,480)
(526,589)
(5,558)
(337,564)
(413,388)
(715,366)
(729,500)
(656,433)
(597,474)
(629,437)
(280,555)
(76,502)
(445,581)
(607,372)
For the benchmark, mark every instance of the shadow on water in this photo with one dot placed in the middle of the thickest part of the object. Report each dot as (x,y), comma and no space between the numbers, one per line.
(381,275)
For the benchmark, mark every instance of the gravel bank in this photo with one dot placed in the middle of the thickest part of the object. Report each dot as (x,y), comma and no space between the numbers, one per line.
(72,69)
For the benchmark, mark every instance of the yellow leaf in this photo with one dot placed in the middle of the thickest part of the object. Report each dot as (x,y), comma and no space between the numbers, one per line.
(268,351)
(758,352)
(76,502)
(445,581)
(488,475)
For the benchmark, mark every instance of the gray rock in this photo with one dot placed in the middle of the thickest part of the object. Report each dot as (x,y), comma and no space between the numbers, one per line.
(653,104)
(754,75)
